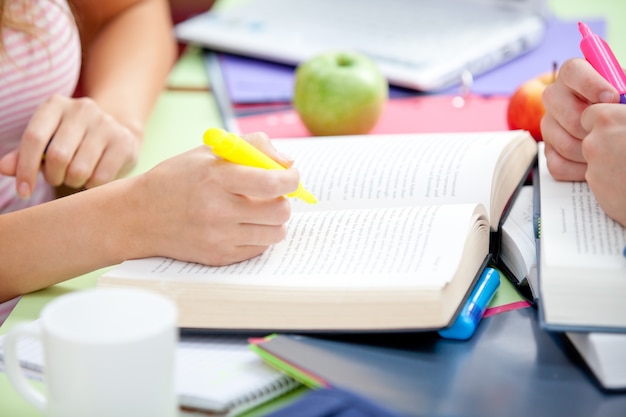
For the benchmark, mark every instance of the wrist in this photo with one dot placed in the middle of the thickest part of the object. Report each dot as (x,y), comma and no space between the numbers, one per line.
(117,217)
(135,126)
(132,220)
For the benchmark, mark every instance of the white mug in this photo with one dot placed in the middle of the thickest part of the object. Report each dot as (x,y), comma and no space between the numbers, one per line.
(107,353)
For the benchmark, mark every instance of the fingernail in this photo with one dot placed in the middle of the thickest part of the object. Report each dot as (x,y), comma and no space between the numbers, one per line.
(286,157)
(23,189)
(607,97)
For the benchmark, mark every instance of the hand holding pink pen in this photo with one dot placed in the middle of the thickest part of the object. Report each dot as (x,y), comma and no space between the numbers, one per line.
(599,55)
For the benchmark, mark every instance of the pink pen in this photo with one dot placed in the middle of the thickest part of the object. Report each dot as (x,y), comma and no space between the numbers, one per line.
(600,56)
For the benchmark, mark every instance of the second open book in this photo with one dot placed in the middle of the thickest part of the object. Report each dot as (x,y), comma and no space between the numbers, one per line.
(400,233)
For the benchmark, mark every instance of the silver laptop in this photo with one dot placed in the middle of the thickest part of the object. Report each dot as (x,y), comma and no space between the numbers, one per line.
(420,44)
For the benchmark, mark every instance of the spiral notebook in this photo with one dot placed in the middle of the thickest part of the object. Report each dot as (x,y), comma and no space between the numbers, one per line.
(218,374)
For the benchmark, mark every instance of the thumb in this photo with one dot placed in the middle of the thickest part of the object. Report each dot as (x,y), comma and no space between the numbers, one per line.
(8,164)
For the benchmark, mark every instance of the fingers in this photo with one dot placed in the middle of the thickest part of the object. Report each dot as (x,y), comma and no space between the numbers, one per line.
(8,163)
(257,182)
(79,155)
(577,86)
(107,151)
(272,212)
(243,242)
(67,144)
(262,142)
(35,140)
(111,165)
(604,148)
(607,118)
(563,169)
(559,138)
(229,245)
(564,107)
(236,254)
(605,152)
(579,76)
(83,146)
(8,166)
(563,110)
(244,209)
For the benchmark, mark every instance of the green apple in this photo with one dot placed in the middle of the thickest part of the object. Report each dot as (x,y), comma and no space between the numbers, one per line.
(339,93)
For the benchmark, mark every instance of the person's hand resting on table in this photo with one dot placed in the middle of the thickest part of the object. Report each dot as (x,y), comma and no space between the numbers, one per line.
(121,51)
(89,147)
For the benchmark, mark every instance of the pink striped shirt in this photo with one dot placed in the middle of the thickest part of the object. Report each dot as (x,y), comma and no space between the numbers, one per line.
(32,70)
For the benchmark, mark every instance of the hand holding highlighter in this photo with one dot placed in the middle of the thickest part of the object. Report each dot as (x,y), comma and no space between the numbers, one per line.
(235,149)
(598,53)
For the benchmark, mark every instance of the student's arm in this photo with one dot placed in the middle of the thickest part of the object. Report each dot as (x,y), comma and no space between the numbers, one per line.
(129,49)
(193,207)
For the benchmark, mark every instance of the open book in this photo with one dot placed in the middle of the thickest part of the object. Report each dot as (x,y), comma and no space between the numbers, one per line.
(582,273)
(400,234)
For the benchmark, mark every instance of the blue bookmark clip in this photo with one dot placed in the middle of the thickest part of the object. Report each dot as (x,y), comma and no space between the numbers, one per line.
(466,323)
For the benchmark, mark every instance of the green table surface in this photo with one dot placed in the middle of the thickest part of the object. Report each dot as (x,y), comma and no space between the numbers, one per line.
(186,108)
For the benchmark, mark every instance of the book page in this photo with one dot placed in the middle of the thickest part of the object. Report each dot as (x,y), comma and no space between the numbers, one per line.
(402,247)
(582,274)
(519,251)
(397,169)
(575,231)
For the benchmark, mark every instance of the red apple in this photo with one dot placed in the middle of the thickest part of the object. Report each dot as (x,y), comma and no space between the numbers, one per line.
(525,106)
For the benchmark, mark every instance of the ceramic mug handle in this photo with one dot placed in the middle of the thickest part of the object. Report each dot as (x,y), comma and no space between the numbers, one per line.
(13,368)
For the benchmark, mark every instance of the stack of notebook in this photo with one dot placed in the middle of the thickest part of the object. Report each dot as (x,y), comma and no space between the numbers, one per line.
(217,374)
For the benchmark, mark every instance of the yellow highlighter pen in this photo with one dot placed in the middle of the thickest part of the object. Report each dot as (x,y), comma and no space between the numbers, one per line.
(235,149)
